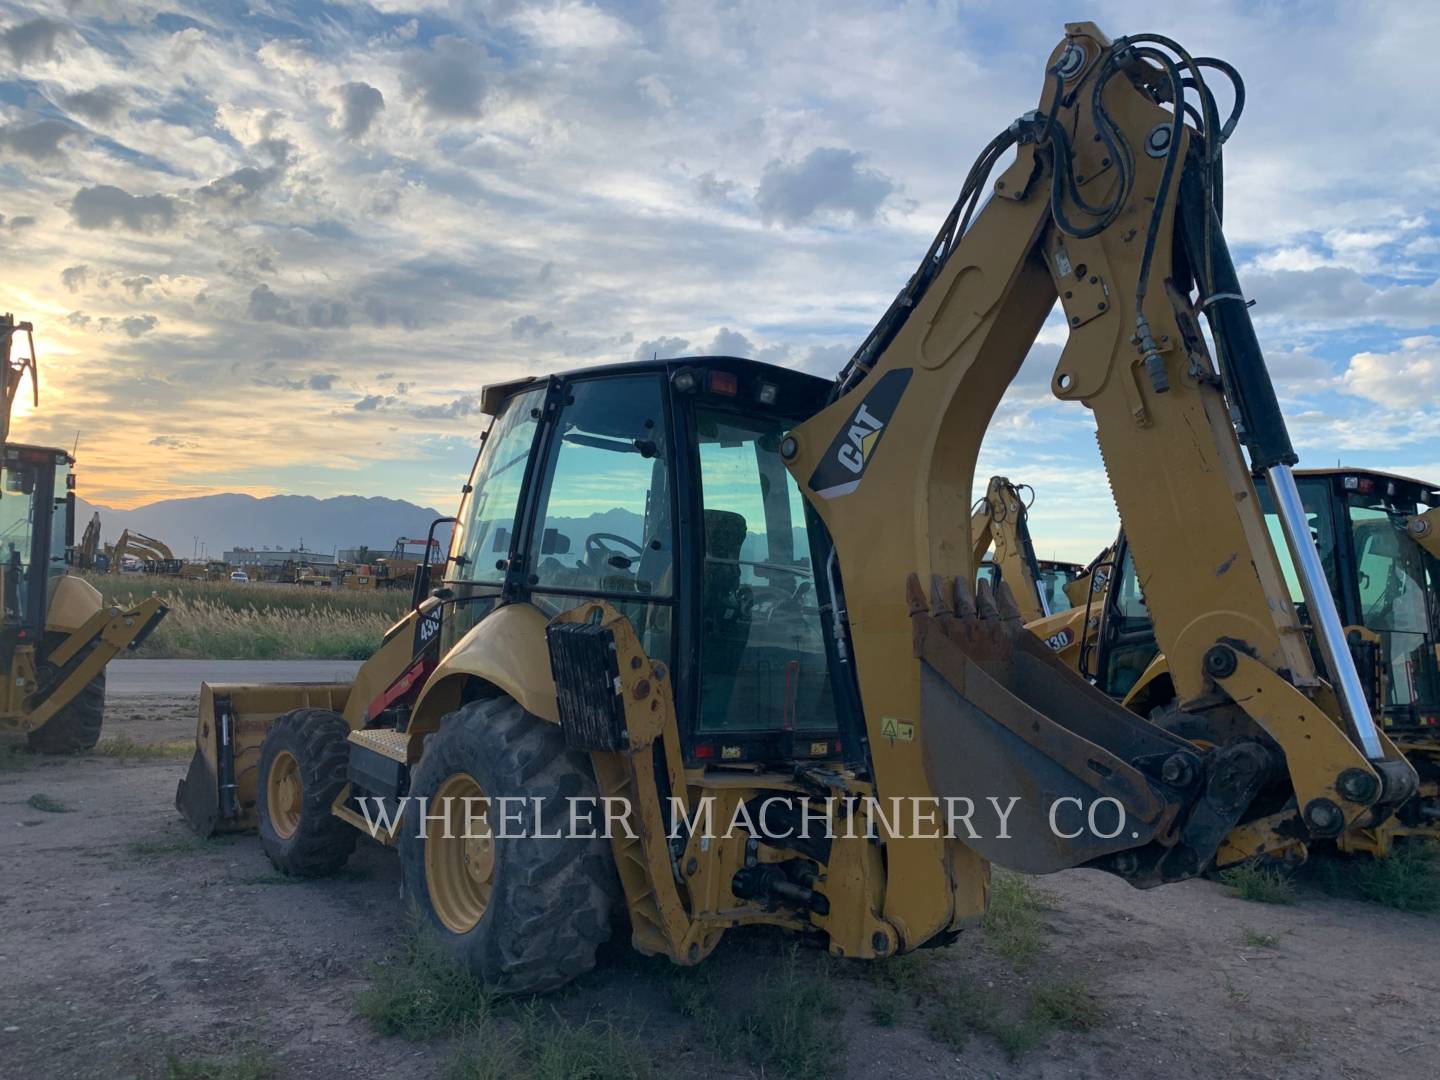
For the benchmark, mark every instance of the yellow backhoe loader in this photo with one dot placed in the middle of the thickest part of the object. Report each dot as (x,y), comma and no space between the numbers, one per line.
(1000,520)
(706,644)
(56,635)
(1386,588)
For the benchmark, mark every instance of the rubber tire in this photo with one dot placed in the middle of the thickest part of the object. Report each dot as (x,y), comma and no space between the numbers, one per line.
(552,900)
(321,842)
(75,727)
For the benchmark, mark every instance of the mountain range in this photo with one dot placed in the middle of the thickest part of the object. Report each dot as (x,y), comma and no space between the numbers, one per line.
(224,522)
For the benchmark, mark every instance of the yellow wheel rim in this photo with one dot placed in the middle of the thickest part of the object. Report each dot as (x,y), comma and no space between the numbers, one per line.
(284,793)
(459,853)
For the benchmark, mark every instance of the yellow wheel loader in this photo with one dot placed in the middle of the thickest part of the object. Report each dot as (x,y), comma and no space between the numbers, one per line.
(706,646)
(1386,588)
(999,520)
(56,634)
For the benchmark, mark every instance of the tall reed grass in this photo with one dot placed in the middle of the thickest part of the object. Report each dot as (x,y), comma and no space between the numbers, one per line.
(220,620)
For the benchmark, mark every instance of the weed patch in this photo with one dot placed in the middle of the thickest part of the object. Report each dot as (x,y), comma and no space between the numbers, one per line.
(1012,922)
(421,992)
(1254,939)
(1258,884)
(47,805)
(246,1065)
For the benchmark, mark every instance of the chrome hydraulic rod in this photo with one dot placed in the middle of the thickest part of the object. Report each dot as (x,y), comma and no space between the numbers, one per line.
(1324,618)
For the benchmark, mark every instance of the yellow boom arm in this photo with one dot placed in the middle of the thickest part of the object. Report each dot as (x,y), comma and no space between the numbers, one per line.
(1112,207)
(999,519)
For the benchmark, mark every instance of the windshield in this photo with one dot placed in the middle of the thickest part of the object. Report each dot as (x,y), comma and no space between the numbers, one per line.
(1053,580)
(17,524)
(484,534)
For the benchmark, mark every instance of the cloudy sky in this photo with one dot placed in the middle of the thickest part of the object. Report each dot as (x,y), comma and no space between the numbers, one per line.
(276,247)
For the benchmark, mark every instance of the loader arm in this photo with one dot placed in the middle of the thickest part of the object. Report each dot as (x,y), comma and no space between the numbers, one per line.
(1112,206)
(1000,518)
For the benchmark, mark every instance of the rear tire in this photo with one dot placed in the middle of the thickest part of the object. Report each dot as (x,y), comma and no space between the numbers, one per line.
(545,904)
(76,726)
(303,764)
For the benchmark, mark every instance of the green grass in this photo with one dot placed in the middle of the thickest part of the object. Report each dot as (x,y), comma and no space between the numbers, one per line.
(245,1065)
(16,757)
(46,805)
(1259,884)
(1050,1005)
(1254,939)
(420,992)
(174,841)
(219,620)
(1408,879)
(1012,923)
(786,1024)
(124,748)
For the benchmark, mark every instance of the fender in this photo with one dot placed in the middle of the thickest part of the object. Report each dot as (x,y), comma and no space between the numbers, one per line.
(73,601)
(506,650)
(1154,687)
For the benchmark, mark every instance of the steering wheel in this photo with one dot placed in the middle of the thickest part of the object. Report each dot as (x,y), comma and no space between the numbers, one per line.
(598,547)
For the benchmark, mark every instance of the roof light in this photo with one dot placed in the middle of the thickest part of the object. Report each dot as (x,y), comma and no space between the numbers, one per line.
(1350,483)
(767,393)
(724,382)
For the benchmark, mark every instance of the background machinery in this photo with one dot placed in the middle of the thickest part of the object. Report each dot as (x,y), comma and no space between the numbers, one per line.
(1386,587)
(148,555)
(999,521)
(779,622)
(56,635)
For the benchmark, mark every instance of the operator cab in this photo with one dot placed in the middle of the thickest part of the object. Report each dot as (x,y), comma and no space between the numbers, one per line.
(36,534)
(1386,588)
(660,488)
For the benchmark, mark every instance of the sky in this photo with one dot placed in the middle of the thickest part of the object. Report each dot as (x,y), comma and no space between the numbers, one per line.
(279,248)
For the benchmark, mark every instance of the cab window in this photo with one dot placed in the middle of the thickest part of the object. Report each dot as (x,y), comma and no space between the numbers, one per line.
(762,650)
(485,532)
(604,525)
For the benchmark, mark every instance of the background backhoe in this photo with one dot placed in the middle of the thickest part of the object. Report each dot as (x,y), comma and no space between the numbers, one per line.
(777,626)
(999,524)
(56,635)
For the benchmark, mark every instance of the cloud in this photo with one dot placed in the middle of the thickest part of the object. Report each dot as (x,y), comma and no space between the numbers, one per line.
(39,141)
(447,80)
(105,205)
(20,221)
(238,187)
(99,105)
(266,305)
(75,278)
(530,326)
(731,343)
(465,405)
(136,285)
(827,179)
(322,382)
(33,40)
(173,442)
(360,104)
(711,189)
(372,402)
(136,325)
(1406,378)
(663,347)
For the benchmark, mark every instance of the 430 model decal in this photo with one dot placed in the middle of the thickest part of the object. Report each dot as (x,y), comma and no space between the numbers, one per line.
(844,463)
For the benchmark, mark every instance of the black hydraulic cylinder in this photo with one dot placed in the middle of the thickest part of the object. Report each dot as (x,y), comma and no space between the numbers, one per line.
(1247,379)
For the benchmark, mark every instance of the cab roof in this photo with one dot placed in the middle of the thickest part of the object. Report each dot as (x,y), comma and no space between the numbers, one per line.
(797,383)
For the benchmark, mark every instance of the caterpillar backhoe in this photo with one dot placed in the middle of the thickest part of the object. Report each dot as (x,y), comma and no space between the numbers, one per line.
(1386,587)
(999,521)
(56,633)
(730,605)
(151,556)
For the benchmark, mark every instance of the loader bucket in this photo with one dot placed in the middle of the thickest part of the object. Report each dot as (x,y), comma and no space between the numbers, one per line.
(218,791)
(1002,718)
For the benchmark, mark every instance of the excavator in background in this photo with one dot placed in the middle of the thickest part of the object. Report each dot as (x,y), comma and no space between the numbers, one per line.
(89,554)
(774,633)
(1000,520)
(1386,586)
(151,556)
(57,634)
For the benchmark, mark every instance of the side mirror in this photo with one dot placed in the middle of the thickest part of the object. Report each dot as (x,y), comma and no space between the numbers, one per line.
(554,542)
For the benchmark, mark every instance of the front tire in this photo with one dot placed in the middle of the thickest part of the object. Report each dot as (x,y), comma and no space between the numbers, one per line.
(524,913)
(76,726)
(303,764)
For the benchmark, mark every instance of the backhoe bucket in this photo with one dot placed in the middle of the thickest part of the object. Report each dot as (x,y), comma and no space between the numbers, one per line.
(1002,718)
(218,792)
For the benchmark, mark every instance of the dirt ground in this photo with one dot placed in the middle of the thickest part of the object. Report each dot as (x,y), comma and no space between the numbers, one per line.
(122,939)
